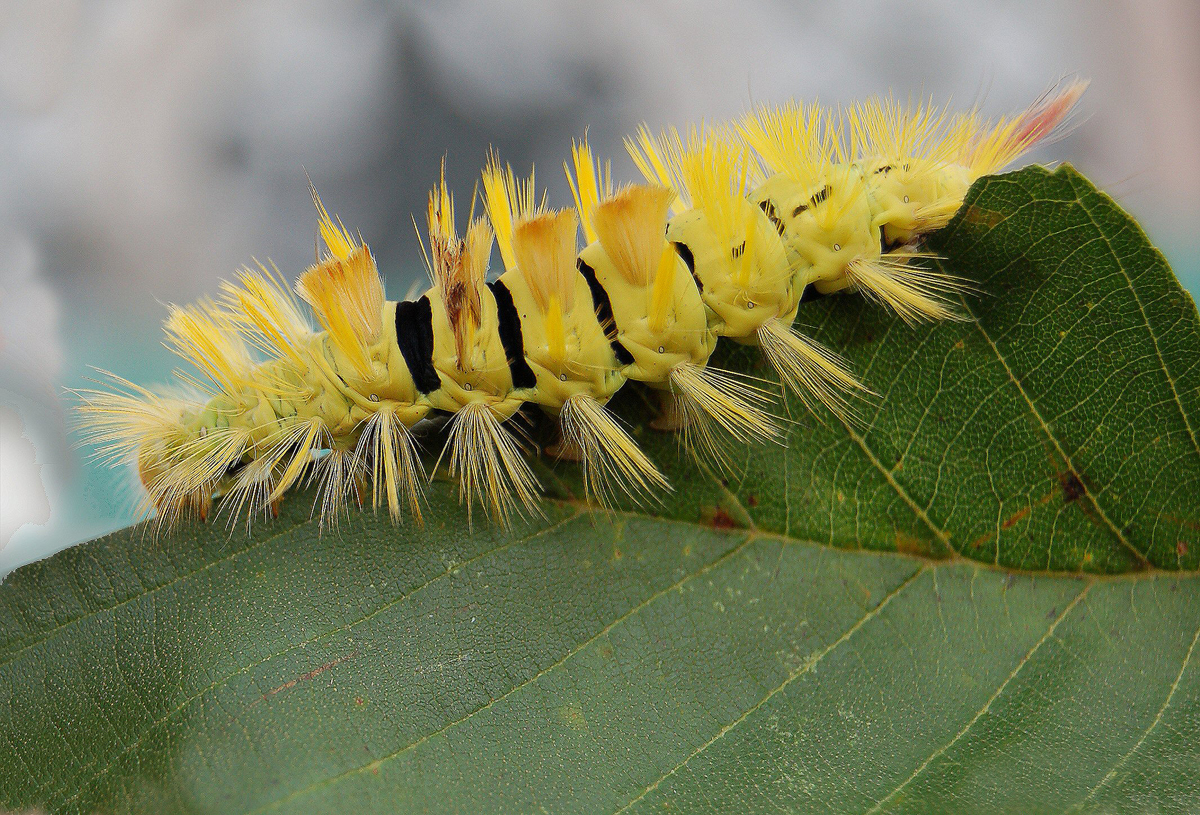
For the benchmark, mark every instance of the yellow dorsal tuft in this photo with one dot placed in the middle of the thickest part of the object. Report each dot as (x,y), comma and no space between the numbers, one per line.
(985,147)
(508,200)
(630,226)
(337,238)
(458,266)
(708,171)
(545,249)
(801,141)
(885,128)
(590,184)
(659,158)
(715,172)
(346,292)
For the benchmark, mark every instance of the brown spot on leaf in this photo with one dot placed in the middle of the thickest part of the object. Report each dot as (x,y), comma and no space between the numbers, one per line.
(1072,486)
(984,217)
(313,674)
(751,501)
(1181,548)
(723,520)
(982,539)
(1014,518)
(910,545)
(1184,522)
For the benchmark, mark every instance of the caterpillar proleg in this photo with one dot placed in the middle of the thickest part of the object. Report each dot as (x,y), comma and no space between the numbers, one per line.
(731,227)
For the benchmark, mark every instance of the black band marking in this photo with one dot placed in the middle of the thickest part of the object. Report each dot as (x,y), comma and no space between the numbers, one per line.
(769,209)
(820,197)
(604,312)
(510,336)
(414,337)
(689,260)
(810,294)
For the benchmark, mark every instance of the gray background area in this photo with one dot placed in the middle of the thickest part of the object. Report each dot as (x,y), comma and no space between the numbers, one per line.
(151,147)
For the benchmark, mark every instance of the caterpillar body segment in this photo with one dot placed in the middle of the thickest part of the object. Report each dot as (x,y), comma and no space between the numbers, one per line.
(564,344)
(732,227)
(576,361)
(662,324)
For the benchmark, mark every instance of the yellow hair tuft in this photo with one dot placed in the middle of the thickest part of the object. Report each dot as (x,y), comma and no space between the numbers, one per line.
(630,226)
(816,375)
(545,249)
(268,316)
(590,184)
(489,466)
(208,338)
(717,410)
(915,293)
(388,450)
(612,462)
(508,200)
(798,140)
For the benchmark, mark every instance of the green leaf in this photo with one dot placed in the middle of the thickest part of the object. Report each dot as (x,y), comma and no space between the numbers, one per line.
(982,598)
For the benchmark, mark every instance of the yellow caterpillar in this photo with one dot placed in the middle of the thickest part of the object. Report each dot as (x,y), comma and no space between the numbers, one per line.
(732,227)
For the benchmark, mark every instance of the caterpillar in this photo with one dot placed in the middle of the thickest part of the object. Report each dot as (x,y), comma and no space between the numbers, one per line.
(734,227)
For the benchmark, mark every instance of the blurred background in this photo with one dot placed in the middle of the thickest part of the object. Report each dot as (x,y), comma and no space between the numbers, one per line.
(150,147)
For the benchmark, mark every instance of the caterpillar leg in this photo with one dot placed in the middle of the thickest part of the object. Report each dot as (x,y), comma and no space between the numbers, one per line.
(811,371)
(565,449)
(612,461)
(916,294)
(488,464)
(717,410)
(673,418)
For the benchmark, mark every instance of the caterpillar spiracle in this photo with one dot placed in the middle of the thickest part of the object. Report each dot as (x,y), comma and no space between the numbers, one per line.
(734,228)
